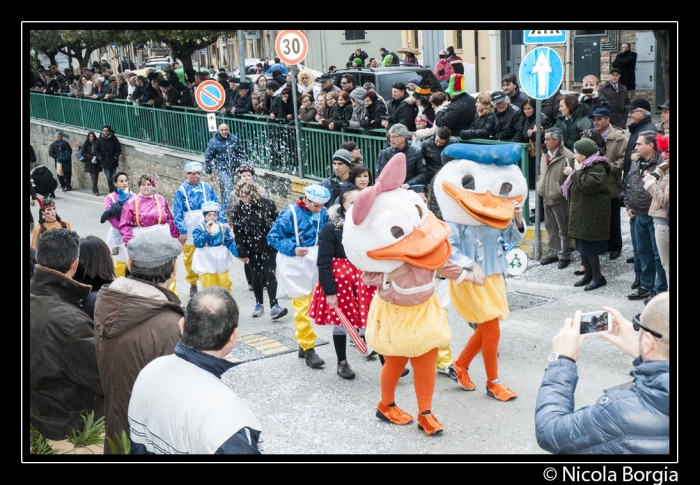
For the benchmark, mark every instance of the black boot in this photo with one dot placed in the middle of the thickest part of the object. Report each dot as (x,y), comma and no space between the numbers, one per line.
(67,177)
(62,181)
(588,272)
(94,190)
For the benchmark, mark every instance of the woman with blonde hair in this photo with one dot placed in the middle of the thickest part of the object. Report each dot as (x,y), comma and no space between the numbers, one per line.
(485,120)
(306,81)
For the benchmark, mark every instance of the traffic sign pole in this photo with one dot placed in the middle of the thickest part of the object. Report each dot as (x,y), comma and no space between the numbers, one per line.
(541,73)
(538,157)
(296,118)
(291,47)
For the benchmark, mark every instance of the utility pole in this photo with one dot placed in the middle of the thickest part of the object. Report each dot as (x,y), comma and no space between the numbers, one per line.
(241,55)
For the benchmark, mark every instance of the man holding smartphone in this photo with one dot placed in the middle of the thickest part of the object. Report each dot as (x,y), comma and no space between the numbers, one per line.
(634,419)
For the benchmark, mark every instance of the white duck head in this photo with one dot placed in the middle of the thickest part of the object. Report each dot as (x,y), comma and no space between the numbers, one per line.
(388,226)
(477,184)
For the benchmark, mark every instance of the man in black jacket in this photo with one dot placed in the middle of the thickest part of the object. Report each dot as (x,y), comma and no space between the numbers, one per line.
(617,95)
(509,84)
(54,151)
(394,57)
(639,115)
(510,119)
(52,86)
(342,162)
(63,380)
(416,169)
(359,53)
(626,62)
(432,149)
(243,101)
(399,109)
(459,115)
(652,278)
(107,153)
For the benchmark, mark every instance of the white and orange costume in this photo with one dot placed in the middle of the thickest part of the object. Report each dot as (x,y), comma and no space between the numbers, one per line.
(399,244)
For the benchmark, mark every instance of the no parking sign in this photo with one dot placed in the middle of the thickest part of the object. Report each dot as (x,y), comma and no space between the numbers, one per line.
(210,95)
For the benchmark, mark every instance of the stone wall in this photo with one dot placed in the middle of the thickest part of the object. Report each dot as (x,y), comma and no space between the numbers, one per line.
(164,164)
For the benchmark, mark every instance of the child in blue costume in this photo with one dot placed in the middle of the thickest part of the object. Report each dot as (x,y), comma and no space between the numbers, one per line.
(213,257)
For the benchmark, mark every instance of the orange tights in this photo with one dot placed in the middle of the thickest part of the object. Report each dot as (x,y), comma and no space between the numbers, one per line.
(486,339)
(423,377)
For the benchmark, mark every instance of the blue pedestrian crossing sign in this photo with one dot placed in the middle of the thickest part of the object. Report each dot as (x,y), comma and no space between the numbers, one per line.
(541,72)
(541,36)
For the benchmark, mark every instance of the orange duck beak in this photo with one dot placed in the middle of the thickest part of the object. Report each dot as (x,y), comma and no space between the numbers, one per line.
(486,208)
(426,247)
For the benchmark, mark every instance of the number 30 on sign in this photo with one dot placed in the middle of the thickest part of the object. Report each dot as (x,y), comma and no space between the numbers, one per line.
(291,46)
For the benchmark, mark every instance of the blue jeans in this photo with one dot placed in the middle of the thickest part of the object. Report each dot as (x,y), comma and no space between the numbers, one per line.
(637,263)
(653,274)
(228,187)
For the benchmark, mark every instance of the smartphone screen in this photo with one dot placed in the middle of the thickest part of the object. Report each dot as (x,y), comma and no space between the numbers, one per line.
(595,322)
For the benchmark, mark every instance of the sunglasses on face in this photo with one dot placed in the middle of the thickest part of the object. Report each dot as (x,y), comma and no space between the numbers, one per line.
(637,325)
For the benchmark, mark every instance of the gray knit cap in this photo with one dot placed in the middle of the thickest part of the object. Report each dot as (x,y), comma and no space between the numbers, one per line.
(344,156)
(358,94)
(153,249)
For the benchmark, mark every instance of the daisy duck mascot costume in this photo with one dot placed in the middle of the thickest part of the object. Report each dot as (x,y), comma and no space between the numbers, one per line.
(480,191)
(399,245)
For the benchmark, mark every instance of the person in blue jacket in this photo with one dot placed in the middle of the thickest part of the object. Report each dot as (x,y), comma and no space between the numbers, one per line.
(310,216)
(214,249)
(187,212)
(225,152)
(630,419)
(277,65)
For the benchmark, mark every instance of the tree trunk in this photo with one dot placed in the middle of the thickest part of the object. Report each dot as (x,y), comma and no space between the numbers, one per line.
(184,54)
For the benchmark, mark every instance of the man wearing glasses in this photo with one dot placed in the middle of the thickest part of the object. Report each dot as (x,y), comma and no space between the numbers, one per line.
(633,419)
(639,114)
(416,169)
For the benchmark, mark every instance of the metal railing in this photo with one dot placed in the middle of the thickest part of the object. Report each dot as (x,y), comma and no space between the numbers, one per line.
(267,144)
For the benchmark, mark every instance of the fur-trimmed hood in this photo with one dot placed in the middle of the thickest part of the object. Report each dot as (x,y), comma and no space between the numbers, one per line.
(335,217)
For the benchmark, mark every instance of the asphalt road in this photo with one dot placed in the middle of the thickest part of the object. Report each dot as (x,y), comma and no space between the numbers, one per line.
(314,411)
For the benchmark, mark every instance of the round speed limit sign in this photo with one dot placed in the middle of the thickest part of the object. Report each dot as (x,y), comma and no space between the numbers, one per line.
(291,46)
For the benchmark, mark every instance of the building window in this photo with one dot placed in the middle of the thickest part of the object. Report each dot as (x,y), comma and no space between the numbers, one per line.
(597,33)
(459,39)
(354,34)
(416,45)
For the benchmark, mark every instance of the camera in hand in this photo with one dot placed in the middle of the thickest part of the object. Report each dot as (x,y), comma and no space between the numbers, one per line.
(587,90)
(385,117)
(595,322)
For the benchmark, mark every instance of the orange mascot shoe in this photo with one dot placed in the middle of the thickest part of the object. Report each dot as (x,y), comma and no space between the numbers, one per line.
(393,414)
(499,391)
(428,422)
(463,378)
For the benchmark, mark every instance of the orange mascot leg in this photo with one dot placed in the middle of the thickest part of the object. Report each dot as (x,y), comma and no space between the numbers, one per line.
(424,384)
(387,410)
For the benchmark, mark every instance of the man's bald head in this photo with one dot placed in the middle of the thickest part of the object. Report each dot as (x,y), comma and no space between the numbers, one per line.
(656,316)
